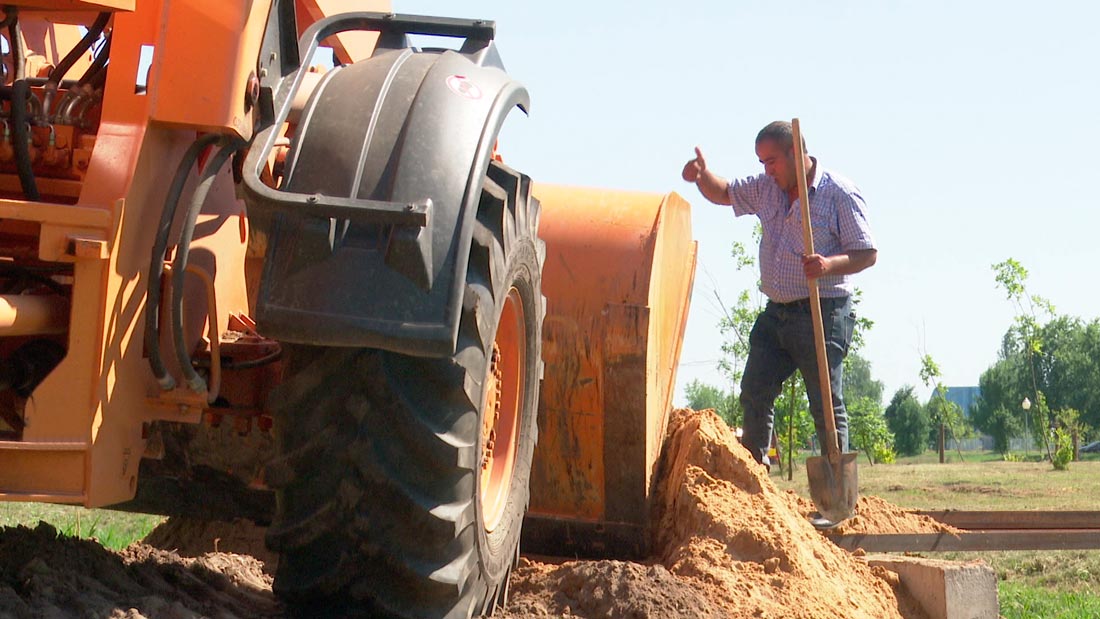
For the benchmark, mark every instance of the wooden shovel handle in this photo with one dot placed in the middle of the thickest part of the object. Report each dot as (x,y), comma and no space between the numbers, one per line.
(832,448)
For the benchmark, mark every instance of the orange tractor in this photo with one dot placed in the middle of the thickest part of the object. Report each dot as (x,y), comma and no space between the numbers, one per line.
(262,259)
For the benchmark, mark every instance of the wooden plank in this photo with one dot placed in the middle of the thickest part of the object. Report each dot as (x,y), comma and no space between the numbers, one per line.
(1051,539)
(1003,520)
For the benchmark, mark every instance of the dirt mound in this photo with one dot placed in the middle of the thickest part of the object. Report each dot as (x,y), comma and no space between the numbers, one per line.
(875,516)
(605,589)
(44,574)
(190,537)
(726,529)
(729,545)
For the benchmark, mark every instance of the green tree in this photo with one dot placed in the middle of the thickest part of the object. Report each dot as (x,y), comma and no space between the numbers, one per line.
(867,427)
(1069,366)
(793,423)
(1051,359)
(1065,428)
(997,411)
(909,422)
(1012,277)
(1083,366)
(701,396)
(946,416)
(868,430)
(737,321)
(858,381)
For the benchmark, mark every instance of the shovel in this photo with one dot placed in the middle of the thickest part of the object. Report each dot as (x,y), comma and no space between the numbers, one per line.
(834,482)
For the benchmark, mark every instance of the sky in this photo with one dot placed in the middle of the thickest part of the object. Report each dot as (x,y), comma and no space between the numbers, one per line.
(970,128)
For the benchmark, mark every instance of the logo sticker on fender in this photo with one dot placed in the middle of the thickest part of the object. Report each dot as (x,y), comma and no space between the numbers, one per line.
(463,87)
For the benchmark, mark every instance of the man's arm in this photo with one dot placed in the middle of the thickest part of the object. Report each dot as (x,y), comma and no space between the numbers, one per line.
(846,263)
(712,186)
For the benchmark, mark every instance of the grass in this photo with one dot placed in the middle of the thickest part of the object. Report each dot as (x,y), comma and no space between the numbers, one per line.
(1018,600)
(115,530)
(1051,584)
(981,484)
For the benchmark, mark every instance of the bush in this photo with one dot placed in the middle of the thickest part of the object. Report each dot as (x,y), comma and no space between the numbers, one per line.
(882,454)
(1063,449)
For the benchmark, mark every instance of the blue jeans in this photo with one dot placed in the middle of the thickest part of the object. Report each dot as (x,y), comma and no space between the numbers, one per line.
(782,341)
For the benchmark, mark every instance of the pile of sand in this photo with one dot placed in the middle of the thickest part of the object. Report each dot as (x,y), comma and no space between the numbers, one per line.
(727,533)
(725,528)
(875,516)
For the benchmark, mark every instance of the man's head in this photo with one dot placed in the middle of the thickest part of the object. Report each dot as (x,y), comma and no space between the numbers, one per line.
(775,148)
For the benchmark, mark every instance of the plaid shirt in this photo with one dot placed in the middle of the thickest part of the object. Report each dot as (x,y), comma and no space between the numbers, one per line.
(839,219)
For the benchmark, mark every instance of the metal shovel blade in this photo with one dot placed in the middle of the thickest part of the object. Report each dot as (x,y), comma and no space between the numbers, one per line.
(834,492)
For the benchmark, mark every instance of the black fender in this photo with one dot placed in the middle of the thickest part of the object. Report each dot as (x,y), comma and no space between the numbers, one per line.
(374,217)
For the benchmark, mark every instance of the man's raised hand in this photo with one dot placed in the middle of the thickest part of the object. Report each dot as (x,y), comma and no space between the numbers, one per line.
(695,167)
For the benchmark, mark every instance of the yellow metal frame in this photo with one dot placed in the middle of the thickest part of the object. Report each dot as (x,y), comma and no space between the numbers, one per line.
(618,275)
(83,438)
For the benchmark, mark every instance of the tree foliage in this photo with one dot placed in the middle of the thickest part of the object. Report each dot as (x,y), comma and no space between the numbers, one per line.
(868,430)
(1050,359)
(701,396)
(942,413)
(997,410)
(867,427)
(737,321)
(909,422)
(1065,422)
(1025,333)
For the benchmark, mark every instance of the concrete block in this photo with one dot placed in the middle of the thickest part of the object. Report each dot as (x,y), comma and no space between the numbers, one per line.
(946,589)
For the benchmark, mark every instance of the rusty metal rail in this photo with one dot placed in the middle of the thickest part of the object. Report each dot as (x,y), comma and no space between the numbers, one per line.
(1015,520)
(989,530)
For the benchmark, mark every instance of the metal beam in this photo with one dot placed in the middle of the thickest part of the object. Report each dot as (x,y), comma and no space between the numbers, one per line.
(1049,539)
(1002,520)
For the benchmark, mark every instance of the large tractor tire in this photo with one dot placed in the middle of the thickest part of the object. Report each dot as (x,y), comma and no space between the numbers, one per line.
(401,481)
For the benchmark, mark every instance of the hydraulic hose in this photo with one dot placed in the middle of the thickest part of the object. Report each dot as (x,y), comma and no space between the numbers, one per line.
(15,42)
(99,78)
(21,139)
(85,104)
(99,63)
(84,45)
(20,92)
(156,264)
(269,358)
(70,59)
(183,248)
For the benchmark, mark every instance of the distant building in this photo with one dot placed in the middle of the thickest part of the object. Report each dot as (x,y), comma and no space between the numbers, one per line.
(964,397)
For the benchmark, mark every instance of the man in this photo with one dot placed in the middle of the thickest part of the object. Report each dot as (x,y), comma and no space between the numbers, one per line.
(782,339)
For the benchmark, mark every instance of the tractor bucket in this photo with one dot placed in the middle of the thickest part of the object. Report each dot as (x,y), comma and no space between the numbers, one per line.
(617,278)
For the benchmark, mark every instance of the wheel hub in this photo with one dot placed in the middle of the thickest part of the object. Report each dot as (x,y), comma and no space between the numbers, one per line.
(504,399)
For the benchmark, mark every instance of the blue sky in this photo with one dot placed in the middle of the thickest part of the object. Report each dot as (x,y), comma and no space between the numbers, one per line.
(970,127)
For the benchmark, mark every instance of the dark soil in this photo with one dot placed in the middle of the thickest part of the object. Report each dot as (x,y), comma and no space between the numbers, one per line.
(47,575)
